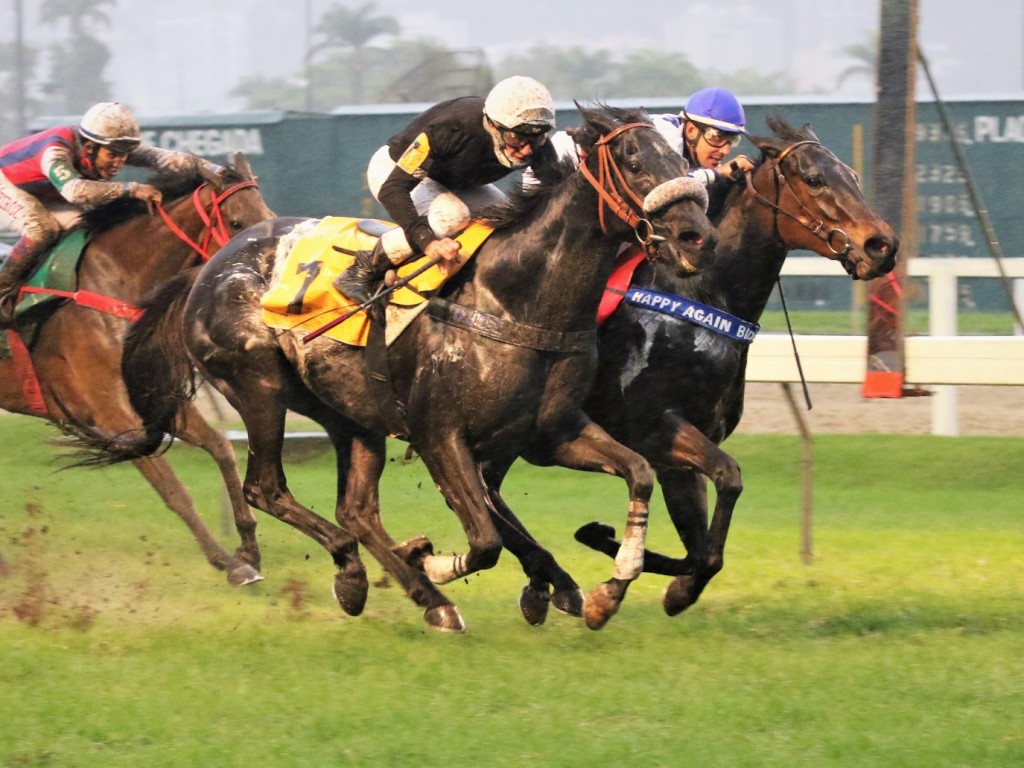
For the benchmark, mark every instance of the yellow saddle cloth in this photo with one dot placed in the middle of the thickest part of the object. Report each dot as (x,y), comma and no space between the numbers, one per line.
(303,296)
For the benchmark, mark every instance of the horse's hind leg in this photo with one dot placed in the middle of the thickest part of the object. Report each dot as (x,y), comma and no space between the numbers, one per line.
(161,476)
(194,429)
(258,397)
(360,466)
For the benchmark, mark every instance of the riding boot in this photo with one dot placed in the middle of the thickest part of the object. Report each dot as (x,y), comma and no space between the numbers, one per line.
(19,265)
(359,282)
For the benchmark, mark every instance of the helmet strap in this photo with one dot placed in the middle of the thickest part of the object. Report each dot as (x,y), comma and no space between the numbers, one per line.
(89,151)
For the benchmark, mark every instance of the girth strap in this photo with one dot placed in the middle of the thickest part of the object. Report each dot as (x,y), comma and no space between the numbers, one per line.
(378,379)
(510,332)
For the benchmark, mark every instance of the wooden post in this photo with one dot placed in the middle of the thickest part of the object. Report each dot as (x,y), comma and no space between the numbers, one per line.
(894,192)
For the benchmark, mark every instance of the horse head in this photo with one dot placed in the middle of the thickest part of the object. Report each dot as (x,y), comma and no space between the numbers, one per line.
(817,203)
(642,186)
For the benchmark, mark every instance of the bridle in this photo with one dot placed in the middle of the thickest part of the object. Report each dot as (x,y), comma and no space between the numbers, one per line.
(213,219)
(816,226)
(609,180)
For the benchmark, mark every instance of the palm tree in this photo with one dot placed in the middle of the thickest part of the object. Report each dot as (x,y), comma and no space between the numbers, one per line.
(77,71)
(866,55)
(347,28)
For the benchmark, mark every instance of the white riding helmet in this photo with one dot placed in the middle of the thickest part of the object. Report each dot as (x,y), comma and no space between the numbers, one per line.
(521,105)
(112,125)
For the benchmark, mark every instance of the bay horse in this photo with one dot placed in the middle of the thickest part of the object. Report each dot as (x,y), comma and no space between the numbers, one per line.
(498,364)
(672,389)
(66,361)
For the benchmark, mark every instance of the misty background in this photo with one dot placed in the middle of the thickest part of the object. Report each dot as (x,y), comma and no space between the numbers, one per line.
(180,57)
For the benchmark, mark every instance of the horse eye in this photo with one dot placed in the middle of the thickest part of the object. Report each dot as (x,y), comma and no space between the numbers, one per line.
(634,167)
(814,182)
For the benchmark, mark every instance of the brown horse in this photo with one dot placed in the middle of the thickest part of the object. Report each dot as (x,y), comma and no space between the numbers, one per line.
(670,386)
(73,345)
(497,367)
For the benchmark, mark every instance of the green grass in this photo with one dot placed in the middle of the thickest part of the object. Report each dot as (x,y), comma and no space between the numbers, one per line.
(899,645)
(854,322)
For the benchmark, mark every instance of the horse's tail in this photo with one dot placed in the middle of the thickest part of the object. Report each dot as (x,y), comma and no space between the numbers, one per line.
(158,374)
(155,363)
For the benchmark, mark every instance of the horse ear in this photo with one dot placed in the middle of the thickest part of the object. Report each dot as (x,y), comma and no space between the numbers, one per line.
(810,133)
(242,166)
(209,175)
(769,147)
(596,123)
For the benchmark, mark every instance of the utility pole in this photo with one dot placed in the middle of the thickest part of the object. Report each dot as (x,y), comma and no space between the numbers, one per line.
(894,193)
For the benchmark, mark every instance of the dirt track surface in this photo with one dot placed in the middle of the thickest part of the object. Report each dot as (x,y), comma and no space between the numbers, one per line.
(840,409)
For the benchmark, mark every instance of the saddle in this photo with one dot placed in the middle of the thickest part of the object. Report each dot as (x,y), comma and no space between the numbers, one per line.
(302,295)
(56,277)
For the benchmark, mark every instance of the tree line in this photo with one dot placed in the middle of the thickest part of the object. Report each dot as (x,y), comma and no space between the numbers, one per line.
(358,56)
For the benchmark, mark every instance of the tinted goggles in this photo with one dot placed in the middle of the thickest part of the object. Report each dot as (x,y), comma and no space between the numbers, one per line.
(519,137)
(718,138)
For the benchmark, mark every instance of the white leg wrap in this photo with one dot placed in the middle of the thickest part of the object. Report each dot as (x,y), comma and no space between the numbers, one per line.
(629,562)
(442,569)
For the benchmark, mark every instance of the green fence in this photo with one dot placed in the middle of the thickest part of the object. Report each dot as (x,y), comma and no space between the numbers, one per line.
(314,165)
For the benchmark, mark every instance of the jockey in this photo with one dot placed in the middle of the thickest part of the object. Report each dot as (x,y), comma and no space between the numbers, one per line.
(704,133)
(460,146)
(65,170)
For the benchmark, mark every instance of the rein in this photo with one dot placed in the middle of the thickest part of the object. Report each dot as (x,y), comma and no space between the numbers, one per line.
(608,173)
(213,220)
(815,226)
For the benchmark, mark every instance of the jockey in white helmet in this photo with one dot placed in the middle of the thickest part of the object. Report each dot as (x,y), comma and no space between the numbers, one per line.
(460,146)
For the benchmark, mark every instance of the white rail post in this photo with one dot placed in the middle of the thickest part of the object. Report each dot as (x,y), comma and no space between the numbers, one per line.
(942,321)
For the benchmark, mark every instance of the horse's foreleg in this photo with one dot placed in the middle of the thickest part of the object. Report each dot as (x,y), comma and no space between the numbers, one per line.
(686,499)
(538,564)
(360,466)
(459,479)
(593,450)
(161,476)
(194,429)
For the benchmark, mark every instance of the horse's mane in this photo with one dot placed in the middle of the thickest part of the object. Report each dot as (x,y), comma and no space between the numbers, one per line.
(173,185)
(783,131)
(525,199)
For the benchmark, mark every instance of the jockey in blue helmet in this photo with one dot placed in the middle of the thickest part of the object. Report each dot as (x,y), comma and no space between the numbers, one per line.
(712,124)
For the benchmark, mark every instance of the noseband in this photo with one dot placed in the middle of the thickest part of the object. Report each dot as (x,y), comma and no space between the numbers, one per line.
(213,220)
(609,180)
(815,226)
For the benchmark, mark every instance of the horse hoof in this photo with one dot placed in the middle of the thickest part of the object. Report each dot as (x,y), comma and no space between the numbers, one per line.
(601,604)
(445,618)
(593,533)
(568,601)
(679,595)
(533,604)
(414,550)
(241,573)
(350,592)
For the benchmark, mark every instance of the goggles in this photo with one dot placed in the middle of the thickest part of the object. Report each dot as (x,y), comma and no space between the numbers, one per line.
(718,138)
(522,135)
(122,146)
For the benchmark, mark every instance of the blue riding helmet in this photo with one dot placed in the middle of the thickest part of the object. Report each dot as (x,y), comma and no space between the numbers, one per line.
(715,107)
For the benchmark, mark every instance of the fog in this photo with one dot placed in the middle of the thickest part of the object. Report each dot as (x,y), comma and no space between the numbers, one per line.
(185,56)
